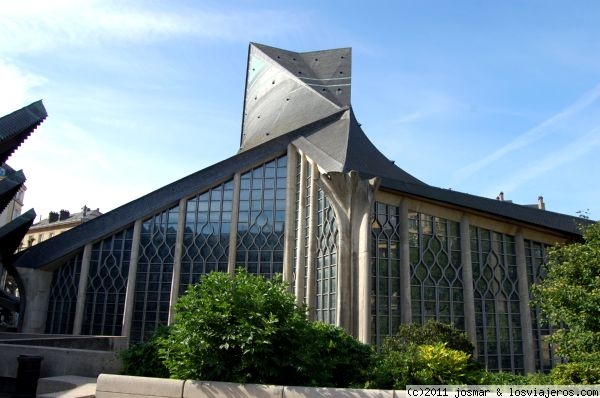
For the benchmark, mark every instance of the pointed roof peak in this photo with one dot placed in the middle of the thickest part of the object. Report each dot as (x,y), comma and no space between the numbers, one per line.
(286,90)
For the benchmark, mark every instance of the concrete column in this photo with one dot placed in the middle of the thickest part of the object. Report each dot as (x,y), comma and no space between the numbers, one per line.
(364,279)
(301,248)
(37,285)
(81,291)
(467,278)
(405,297)
(235,215)
(311,261)
(177,259)
(526,323)
(290,213)
(352,200)
(130,294)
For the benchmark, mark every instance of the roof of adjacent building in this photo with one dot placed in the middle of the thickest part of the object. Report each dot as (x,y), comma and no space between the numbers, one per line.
(17,126)
(79,217)
(292,99)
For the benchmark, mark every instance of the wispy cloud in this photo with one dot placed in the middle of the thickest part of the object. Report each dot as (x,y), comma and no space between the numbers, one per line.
(18,83)
(583,145)
(535,134)
(45,26)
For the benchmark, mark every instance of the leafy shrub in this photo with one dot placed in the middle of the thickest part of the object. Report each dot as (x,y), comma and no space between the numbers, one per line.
(431,332)
(246,329)
(142,359)
(437,364)
(424,364)
(505,378)
(334,358)
(576,373)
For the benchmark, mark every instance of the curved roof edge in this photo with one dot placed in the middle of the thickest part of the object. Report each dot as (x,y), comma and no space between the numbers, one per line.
(58,248)
(558,222)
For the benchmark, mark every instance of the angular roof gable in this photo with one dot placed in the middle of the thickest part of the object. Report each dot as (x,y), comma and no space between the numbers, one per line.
(17,126)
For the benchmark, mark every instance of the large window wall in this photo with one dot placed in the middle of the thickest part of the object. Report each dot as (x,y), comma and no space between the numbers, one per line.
(436,270)
(326,264)
(497,311)
(107,285)
(63,296)
(535,258)
(261,219)
(385,272)
(154,273)
(207,234)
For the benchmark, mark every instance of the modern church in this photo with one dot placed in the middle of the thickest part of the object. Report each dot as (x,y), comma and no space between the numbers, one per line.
(362,243)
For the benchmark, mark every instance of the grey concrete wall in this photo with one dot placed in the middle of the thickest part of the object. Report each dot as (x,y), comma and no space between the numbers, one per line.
(95,343)
(37,293)
(59,361)
(114,386)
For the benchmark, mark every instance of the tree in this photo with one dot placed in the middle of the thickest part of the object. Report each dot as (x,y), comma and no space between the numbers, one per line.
(248,329)
(569,296)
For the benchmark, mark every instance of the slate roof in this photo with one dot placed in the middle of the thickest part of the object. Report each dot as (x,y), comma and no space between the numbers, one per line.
(291,112)
(9,186)
(17,126)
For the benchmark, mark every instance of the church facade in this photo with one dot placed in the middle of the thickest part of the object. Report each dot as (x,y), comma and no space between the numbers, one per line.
(362,243)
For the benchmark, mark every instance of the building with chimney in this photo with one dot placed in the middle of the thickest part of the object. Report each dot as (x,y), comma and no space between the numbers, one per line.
(363,243)
(57,223)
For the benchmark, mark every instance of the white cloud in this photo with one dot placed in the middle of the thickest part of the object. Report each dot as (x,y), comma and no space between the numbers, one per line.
(44,26)
(575,150)
(533,135)
(15,85)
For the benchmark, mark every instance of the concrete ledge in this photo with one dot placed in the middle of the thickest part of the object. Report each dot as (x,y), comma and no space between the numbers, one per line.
(310,392)
(60,361)
(214,389)
(47,385)
(115,386)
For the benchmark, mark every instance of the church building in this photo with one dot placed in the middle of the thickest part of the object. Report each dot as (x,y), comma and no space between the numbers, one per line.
(362,243)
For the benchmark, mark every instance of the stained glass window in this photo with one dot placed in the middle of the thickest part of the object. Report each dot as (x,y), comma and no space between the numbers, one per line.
(206,234)
(63,296)
(496,291)
(385,272)
(535,257)
(107,284)
(154,273)
(326,264)
(436,270)
(261,219)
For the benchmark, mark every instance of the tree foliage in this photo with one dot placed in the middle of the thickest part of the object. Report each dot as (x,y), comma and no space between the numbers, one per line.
(569,297)
(433,353)
(247,329)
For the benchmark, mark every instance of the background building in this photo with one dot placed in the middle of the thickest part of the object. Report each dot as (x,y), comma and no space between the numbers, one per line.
(364,244)
(57,223)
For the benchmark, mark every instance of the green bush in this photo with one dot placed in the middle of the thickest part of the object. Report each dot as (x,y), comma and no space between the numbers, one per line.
(333,358)
(424,364)
(142,359)
(247,329)
(431,332)
(576,373)
(505,378)
(437,364)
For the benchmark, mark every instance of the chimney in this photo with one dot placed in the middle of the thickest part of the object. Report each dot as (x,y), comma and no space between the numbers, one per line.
(500,197)
(52,217)
(541,205)
(85,209)
(64,214)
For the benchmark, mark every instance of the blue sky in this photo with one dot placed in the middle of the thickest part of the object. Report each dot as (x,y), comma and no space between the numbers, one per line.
(480,97)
